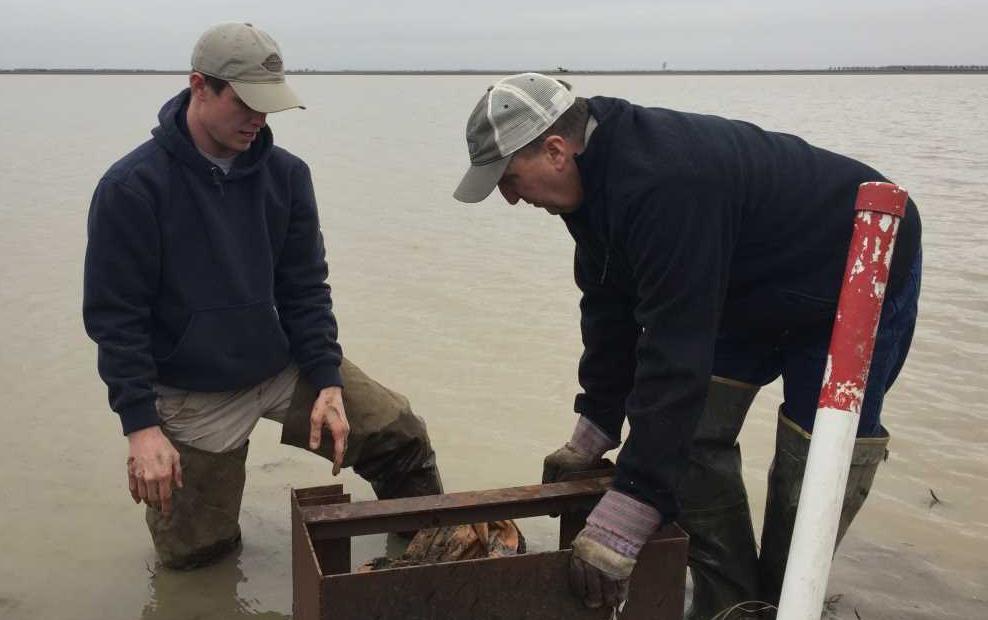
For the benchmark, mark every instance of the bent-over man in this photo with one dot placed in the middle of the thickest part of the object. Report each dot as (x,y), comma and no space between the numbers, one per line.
(710,254)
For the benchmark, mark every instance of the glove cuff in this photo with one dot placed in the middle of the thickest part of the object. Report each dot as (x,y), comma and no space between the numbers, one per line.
(608,561)
(621,523)
(590,439)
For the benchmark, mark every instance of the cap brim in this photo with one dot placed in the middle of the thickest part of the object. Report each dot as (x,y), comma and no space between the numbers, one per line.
(480,181)
(267,97)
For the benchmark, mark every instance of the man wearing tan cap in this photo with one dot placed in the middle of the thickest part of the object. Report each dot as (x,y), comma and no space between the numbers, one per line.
(205,291)
(709,254)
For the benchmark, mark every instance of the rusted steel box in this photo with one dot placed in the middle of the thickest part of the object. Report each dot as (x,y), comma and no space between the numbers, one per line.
(529,586)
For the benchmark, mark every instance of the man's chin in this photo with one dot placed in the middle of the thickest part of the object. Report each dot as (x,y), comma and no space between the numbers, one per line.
(240,145)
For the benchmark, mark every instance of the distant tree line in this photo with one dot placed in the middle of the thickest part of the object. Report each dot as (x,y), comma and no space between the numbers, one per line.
(832,69)
(914,68)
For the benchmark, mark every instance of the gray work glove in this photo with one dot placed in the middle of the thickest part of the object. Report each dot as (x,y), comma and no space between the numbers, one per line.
(605,551)
(581,453)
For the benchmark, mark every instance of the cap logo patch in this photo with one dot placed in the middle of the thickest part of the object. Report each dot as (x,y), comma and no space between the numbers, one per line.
(273,63)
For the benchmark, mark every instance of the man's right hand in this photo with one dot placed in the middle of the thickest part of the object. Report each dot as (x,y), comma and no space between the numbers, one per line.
(568,460)
(153,468)
(581,453)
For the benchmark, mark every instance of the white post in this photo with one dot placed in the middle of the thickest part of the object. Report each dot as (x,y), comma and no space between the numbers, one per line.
(879,207)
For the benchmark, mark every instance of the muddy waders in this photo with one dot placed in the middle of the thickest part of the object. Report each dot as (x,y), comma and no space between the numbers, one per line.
(792,445)
(715,513)
(388,445)
(204,524)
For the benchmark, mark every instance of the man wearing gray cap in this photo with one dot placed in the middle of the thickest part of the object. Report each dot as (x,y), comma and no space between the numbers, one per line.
(710,255)
(205,291)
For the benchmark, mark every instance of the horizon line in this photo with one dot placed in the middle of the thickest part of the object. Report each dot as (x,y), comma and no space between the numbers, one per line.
(885,69)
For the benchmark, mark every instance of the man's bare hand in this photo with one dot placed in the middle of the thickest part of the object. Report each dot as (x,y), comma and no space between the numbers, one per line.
(153,468)
(327,412)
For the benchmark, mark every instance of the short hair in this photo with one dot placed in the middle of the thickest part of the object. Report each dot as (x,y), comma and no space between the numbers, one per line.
(215,84)
(572,125)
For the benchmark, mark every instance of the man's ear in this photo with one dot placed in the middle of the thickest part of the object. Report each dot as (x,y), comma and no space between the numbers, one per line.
(197,84)
(557,149)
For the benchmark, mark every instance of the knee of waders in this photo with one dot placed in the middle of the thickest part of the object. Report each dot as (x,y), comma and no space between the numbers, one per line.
(727,405)
(713,477)
(868,454)
(398,459)
(204,523)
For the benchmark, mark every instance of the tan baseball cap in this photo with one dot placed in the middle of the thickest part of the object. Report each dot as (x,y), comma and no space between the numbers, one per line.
(250,60)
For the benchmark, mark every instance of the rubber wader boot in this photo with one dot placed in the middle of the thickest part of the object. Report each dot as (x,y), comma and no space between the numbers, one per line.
(388,445)
(715,513)
(204,524)
(785,479)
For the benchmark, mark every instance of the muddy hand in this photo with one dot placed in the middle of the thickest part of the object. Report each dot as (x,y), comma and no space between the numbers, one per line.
(153,468)
(328,413)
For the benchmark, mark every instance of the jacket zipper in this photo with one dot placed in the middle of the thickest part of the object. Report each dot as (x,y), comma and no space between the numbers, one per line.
(607,262)
(217,179)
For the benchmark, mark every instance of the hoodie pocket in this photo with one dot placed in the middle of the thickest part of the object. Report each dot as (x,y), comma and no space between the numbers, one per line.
(227,348)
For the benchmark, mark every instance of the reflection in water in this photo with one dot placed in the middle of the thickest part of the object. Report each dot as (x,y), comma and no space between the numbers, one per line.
(209,592)
(212,592)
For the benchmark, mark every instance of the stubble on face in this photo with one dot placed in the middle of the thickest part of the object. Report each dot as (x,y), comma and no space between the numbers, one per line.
(544,179)
(228,125)
(237,125)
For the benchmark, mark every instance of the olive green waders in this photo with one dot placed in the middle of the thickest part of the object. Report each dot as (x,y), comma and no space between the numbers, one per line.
(785,480)
(722,555)
(388,445)
(204,523)
(725,566)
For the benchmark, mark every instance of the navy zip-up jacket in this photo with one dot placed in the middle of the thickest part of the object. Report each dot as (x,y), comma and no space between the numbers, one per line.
(205,281)
(693,225)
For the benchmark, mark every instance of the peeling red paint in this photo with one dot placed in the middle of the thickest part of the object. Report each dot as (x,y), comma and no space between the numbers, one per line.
(860,304)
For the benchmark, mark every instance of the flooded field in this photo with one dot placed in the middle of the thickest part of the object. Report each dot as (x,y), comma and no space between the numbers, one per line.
(471,311)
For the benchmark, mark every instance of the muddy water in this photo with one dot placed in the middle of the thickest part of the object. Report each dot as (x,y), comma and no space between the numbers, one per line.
(470,311)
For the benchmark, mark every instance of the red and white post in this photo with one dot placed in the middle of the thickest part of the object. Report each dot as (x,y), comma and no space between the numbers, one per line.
(879,207)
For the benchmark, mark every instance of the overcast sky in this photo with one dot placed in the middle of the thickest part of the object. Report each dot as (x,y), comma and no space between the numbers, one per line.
(505,34)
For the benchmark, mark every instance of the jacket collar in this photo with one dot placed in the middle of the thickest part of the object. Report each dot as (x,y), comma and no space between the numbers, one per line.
(592,163)
(172,133)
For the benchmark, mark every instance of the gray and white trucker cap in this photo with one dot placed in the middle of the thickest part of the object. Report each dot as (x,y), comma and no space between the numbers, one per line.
(512,113)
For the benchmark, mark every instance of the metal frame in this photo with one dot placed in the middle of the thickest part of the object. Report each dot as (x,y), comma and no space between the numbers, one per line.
(529,586)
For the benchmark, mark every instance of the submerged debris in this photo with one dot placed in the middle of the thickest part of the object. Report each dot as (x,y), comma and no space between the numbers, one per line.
(496,539)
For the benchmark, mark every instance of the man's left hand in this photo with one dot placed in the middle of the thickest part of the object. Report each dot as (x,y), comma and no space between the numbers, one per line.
(597,574)
(328,413)
(605,551)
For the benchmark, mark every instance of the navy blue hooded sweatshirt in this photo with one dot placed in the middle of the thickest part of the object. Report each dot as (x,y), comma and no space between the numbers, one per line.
(693,225)
(205,281)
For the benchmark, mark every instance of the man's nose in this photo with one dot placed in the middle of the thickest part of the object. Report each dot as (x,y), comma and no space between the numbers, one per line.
(509,195)
(258,119)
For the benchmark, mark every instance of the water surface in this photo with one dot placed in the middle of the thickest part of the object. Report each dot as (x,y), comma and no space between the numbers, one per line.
(472,312)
